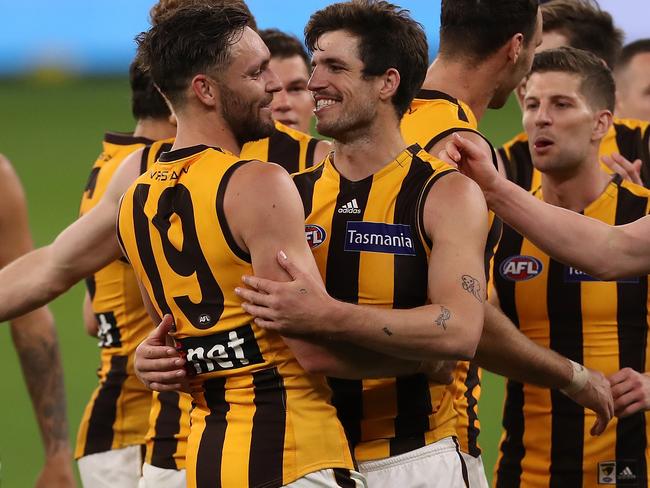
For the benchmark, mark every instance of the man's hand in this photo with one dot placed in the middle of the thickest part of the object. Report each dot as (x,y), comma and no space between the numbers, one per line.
(157,363)
(472,161)
(292,308)
(620,165)
(57,472)
(631,391)
(596,396)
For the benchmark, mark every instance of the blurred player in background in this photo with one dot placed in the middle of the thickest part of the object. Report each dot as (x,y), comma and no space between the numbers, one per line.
(632,74)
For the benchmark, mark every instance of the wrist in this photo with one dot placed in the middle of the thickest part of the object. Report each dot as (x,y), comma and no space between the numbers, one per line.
(579,378)
(334,316)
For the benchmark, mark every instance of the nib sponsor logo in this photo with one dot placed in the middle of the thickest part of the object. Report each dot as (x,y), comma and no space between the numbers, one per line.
(351,207)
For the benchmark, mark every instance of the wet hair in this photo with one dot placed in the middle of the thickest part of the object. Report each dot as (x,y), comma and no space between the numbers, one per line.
(146,101)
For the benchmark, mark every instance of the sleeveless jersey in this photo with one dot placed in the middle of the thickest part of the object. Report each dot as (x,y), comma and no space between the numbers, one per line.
(259,420)
(116,415)
(432,117)
(370,248)
(604,325)
(628,137)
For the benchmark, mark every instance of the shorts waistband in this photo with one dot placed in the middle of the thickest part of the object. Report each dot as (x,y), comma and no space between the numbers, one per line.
(439,447)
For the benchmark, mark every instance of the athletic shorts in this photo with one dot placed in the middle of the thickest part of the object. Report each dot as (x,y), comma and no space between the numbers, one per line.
(438,465)
(475,471)
(117,467)
(155,477)
(330,478)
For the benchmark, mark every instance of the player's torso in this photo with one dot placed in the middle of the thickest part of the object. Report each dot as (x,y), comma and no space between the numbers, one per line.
(173,227)
(603,325)
(368,243)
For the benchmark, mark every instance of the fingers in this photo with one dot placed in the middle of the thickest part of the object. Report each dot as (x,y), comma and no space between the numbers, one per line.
(288,265)
(624,401)
(253,297)
(257,311)
(259,284)
(599,426)
(466,146)
(631,409)
(158,336)
(620,165)
(451,153)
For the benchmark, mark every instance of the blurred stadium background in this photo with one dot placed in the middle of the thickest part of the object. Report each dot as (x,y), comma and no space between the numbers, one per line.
(63,83)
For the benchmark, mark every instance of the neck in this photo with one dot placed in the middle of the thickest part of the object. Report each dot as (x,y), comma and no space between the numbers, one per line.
(474,85)
(578,189)
(154,129)
(197,126)
(362,156)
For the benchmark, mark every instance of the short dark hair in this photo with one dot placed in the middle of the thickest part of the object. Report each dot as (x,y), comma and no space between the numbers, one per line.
(388,38)
(193,40)
(478,28)
(631,50)
(164,8)
(146,100)
(597,83)
(283,45)
(585,26)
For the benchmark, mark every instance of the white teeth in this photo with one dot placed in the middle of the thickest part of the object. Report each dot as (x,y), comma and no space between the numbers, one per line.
(324,102)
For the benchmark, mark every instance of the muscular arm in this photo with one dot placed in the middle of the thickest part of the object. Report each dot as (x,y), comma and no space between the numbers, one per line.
(34,337)
(82,248)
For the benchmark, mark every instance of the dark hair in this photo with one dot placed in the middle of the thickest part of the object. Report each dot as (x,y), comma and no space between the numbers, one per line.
(283,45)
(597,83)
(165,8)
(146,101)
(585,26)
(388,38)
(195,39)
(631,50)
(478,28)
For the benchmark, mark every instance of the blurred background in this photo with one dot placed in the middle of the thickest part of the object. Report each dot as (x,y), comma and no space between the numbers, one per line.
(63,83)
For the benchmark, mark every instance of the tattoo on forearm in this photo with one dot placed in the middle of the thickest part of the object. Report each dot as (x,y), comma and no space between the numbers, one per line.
(445,315)
(472,285)
(387,331)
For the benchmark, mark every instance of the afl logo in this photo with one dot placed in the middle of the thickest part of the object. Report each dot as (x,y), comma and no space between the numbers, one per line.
(315,235)
(520,268)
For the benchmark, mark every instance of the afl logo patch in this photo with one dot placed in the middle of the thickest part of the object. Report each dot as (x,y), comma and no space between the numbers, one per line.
(315,235)
(520,268)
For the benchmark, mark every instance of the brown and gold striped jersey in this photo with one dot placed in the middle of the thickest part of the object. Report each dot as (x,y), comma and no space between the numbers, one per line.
(604,325)
(370,247)
(116,415)
(259,419)
(628,137)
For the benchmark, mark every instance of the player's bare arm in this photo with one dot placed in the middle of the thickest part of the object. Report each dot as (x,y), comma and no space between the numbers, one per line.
(34,337)
(84,247)
(612,252)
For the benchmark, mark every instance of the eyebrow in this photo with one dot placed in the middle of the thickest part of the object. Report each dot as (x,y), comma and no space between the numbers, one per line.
(329,60)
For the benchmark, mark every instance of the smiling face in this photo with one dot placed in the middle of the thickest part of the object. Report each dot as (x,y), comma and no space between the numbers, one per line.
(346,101)
(559,121)
(247,87)
(293,105)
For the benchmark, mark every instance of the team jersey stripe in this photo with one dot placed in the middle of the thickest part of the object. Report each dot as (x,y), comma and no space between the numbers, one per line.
(521,165)
(472,383)
(210,452)
(269,423)
(165,430)
(144,159)
(413,410)
(285,151)
(565,324)
(221,214)
(91,286)
(311,153)
(104,413)
(343,478)
(305,183)
(632,318)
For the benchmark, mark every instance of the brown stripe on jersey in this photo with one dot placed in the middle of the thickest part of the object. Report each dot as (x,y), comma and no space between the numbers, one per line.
(100,424)
(167,427)
(311,153)
(567,422)
(342,283)
(144,159)
(520,167)
(632,320)
(210,452)
(91,183)
(629,141)
(305,183)
(645,167)
(221,214)
(512,449)
(91,286)
(471,383)
(269,424)
(343,478)
(409,291)
(285,151)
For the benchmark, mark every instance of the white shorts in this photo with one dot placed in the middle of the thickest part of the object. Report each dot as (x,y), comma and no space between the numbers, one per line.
(438,465)
(330,478)
(155,477)
(475,471)
(117,467)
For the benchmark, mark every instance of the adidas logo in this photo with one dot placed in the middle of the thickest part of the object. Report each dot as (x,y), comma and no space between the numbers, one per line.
(626,474)
(350,207)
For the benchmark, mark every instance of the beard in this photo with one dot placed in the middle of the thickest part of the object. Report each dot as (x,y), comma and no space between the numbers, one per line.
(352,122)
(243,116)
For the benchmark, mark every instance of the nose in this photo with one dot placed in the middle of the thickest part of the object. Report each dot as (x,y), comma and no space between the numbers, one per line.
(542,116)
(316,80)
(281,101)
(273,83)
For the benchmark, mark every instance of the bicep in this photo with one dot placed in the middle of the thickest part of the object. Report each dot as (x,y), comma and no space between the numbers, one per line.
(14,226)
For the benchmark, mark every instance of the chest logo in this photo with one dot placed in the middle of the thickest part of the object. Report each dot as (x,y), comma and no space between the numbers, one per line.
(315,235)
(352,207)
(520,268)
(574,275)
(379,237)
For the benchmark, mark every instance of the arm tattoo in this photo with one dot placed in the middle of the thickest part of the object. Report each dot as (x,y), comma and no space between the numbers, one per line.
(387,331)
(472,285)
(445,315)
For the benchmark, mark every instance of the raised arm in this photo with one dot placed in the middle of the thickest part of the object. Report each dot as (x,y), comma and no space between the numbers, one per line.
(82,248)
(34,337)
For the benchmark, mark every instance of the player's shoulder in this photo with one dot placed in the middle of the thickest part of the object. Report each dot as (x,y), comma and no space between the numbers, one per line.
(442,106)
(634,189)
(294,134)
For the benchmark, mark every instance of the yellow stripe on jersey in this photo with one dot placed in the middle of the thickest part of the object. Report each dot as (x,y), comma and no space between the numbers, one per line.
(383,417)
(258,415)
(116,415)
(603,325)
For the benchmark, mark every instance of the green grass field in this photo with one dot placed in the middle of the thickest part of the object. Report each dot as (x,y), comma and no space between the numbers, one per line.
(52,131)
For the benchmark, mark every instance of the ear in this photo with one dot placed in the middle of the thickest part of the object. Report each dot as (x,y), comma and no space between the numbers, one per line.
(603,120)
(515,47)
(205,89)
(390,83)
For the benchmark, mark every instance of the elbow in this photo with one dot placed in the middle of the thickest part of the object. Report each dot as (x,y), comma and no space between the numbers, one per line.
(464,344)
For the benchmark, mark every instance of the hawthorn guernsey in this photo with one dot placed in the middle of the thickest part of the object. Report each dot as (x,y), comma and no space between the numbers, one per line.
(379,237)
